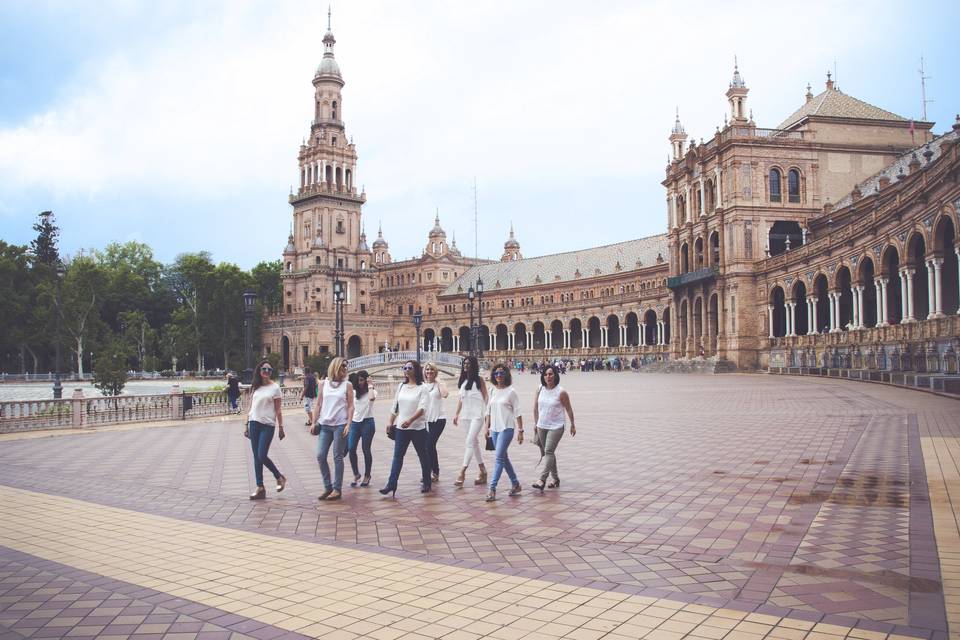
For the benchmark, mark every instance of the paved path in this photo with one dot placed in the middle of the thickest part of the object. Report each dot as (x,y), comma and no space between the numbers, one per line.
(735,506)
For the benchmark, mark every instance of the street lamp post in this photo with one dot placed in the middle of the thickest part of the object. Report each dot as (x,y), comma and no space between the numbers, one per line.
(417,321)
(249,303)
(479,316)
(473,328)
(339,295)
(57,386)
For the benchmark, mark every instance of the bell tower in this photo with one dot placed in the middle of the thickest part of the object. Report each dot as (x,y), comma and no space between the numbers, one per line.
(737,96)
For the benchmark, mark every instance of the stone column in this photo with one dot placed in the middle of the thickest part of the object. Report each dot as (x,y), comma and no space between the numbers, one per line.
(703,199)
(770,318)
(529,339)
(661,333)
(716,181)
(859,320)
(937,287)
(931,291)
(881,286)
(642,338)
(956,250)
(584,337)
(908,276)
(788,309)
(811,316)
(456,343)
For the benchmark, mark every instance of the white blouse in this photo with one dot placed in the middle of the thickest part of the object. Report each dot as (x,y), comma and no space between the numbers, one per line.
(504,409)
(549,408)
(262,409)
(471,401)
(435,412)
(410,399)
(362,406)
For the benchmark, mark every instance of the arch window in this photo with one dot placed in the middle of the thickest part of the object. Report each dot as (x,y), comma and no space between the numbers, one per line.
(793,185)
(333,110)
(775,185)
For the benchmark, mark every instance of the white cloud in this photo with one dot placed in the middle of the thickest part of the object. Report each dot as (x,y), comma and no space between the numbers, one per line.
(521,95)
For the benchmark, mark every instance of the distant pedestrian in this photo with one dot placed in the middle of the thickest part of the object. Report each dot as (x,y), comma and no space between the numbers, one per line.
(233,391)
(309,392)
(362,427)
(331,414)
(264,418)
(502,421)
(548,408)
(436,416)
(471,406)
(408,422)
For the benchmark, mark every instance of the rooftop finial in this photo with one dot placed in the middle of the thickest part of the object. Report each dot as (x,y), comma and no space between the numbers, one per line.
(735,62)
(829,80)
(809,95)
(329,12)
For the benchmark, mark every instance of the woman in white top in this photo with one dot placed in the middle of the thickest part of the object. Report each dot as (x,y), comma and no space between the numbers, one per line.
(548,410)
(436,416)
(331,416)
(362,427)
(265,417)
(410,410)
(503,416)
(471,406)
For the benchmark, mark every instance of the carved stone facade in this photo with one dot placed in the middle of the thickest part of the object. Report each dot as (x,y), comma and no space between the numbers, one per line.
(843,219)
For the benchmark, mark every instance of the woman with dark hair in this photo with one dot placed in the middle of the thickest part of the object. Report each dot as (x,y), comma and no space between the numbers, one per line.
(265,417)
(331,414)
(470,406)
(410,409)
(548,410)
(503,416)
(362,427)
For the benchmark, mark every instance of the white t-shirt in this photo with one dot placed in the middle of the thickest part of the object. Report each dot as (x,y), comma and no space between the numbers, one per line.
(410,399)
(504,409)
(471,401)
(362,406)
(333,413)
(549,408)
(261,405)
(435,412)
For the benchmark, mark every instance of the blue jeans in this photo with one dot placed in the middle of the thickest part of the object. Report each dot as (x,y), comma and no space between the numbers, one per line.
(434,429)
(261,435)
(233,401)
(331,435)
(502,440)
(361,433)
(404,437)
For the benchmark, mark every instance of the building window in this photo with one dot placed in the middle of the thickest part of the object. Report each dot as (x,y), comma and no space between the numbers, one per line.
(793,185)
(775,190)
(340,227)
(363,308)
(340,262)
(399,309)
(410,309)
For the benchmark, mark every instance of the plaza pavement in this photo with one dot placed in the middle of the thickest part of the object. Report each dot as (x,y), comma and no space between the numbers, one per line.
(730,506)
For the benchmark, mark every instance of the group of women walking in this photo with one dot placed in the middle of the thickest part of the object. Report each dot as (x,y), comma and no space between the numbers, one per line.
(342,419)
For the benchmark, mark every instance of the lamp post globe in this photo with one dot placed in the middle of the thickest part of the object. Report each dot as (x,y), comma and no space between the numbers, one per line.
(249,304)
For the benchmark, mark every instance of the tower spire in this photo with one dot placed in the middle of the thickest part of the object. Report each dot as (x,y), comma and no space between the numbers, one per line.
(329,12)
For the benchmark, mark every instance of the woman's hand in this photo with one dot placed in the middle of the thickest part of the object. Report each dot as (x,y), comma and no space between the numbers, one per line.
(346,430)
(404,424)
(520,437)
(573,429)
(486,432)
(456,420)
(282,434)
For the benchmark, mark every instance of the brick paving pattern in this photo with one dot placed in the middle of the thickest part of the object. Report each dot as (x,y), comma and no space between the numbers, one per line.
(787,497)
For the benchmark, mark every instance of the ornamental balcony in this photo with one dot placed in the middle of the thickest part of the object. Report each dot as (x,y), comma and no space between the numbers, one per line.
(693,277)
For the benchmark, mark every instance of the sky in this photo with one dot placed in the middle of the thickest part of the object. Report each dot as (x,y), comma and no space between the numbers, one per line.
(178,123)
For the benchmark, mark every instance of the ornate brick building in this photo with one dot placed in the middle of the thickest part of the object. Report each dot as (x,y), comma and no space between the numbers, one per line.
(842,218)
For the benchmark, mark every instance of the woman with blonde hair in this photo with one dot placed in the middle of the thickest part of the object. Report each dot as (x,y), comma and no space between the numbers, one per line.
(331,421)
(470,407)
(436,416)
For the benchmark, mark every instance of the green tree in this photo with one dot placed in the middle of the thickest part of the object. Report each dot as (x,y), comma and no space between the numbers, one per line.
(44,246)
(16,288)
(83,288)
(137,334)
(268,285)
(110,368)
(190,278)
(226,310)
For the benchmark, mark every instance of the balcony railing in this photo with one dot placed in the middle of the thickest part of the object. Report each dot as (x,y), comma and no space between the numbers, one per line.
(700,275)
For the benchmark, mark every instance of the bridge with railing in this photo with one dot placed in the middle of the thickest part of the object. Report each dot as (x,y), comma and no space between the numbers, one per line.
(387,360)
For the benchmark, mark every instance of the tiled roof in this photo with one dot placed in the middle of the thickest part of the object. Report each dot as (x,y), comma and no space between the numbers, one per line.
(900,168)
(834,103)
(559,267)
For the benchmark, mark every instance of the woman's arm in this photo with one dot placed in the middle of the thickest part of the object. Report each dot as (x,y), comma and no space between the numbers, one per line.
(536,407)
(372,393)
(456,414)
(442,388)
(421,408)
(483,390)
(565,401)
(317,405)
(349,392)
(278,410)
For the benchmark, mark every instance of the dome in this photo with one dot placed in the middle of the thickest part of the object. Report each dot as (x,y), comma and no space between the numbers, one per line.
(380,243)
(437,229)
(362,245)
(290,248)
(511,242)
(737,81)
(328,67)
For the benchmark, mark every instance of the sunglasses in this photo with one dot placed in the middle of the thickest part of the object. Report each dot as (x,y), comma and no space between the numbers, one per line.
(408,368)
(498,374)
(266,370)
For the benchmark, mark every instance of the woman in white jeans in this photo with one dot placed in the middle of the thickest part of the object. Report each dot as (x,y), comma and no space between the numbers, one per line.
(471,406)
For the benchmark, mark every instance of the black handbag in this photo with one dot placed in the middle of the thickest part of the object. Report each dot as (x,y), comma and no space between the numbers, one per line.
(490,446)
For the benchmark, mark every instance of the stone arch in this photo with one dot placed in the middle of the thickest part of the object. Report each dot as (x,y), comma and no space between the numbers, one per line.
(890,269)
(714,250)
(684,324)
(501,335)
(429,339)
(844,281)
(945,248)
(698,327)
(866,278)
(633,329)
(576,334)
(916,257)
(778,319)
(446,339)
(539,335)
(684,258)
(520,337)
(666,325)
(463,333)
(613,330)
(799,296)
(556,334)
(593,332)
(698,256)
(483,335)
(354,347)
(650,328)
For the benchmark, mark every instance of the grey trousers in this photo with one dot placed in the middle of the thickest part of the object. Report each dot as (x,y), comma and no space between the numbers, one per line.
(549,439)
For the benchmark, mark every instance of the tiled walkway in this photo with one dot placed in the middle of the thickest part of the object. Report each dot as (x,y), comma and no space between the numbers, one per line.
(803,502)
